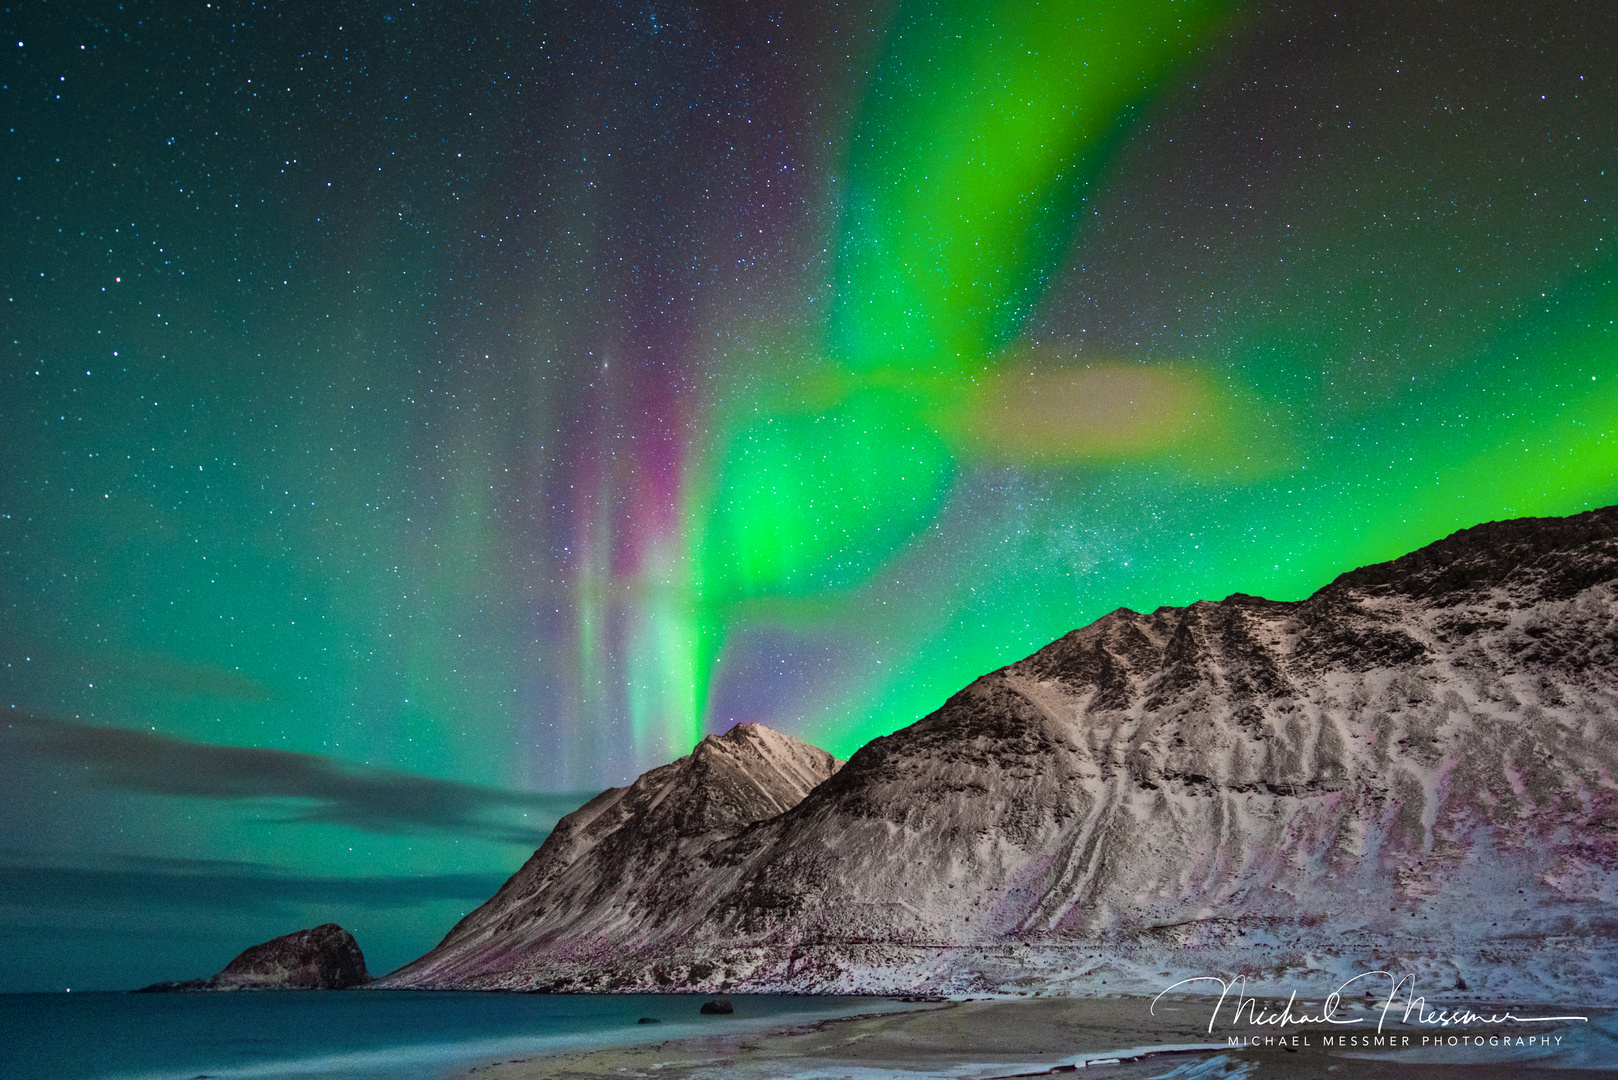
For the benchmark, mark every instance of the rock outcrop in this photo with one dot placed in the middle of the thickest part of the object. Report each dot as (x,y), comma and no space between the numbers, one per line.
(324,958)
(1413,769)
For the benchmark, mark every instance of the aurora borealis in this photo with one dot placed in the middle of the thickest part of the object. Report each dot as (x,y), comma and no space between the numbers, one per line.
(419,417)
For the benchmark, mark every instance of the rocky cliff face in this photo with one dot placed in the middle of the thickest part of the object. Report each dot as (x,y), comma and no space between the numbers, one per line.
(324,958)
(619,867)
(1413,769)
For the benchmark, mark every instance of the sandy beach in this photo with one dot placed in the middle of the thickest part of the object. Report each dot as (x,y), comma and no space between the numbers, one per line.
(1119,1036)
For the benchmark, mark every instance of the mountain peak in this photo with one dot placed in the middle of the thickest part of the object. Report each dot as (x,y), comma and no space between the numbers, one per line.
(631,840)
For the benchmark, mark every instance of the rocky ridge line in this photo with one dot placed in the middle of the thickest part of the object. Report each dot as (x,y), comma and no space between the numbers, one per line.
(1413,769)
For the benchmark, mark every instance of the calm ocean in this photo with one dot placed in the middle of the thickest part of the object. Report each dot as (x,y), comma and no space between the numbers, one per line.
(341,1036)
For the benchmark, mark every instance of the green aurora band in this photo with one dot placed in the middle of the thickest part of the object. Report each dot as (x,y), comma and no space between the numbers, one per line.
(984,128)
(981,129)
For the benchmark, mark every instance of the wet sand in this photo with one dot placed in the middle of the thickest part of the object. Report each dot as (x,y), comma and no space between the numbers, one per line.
(979,1040)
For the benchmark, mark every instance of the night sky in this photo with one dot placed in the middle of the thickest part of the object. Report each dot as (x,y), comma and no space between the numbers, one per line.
(418,418)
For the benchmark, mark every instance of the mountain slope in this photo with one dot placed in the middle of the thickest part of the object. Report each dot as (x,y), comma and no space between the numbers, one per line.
(1413,769)
(607,867)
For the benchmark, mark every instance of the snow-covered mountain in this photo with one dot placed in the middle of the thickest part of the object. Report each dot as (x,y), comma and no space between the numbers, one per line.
(1414,769)
(619,867)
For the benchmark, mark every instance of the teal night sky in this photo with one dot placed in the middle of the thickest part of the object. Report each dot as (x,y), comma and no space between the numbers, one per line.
(421,417)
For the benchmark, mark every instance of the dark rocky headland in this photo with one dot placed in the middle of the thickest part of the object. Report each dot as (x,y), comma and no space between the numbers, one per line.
(323,958)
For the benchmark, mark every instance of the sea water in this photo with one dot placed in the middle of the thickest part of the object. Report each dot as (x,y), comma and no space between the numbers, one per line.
(350,1035)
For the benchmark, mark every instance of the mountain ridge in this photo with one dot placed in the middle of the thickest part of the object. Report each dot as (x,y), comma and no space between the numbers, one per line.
(1384,773)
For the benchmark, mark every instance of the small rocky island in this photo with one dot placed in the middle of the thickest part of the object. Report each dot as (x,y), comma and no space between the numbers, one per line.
(324,958)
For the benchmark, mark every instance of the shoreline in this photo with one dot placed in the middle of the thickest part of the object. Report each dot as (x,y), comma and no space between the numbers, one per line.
(1002,1038)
